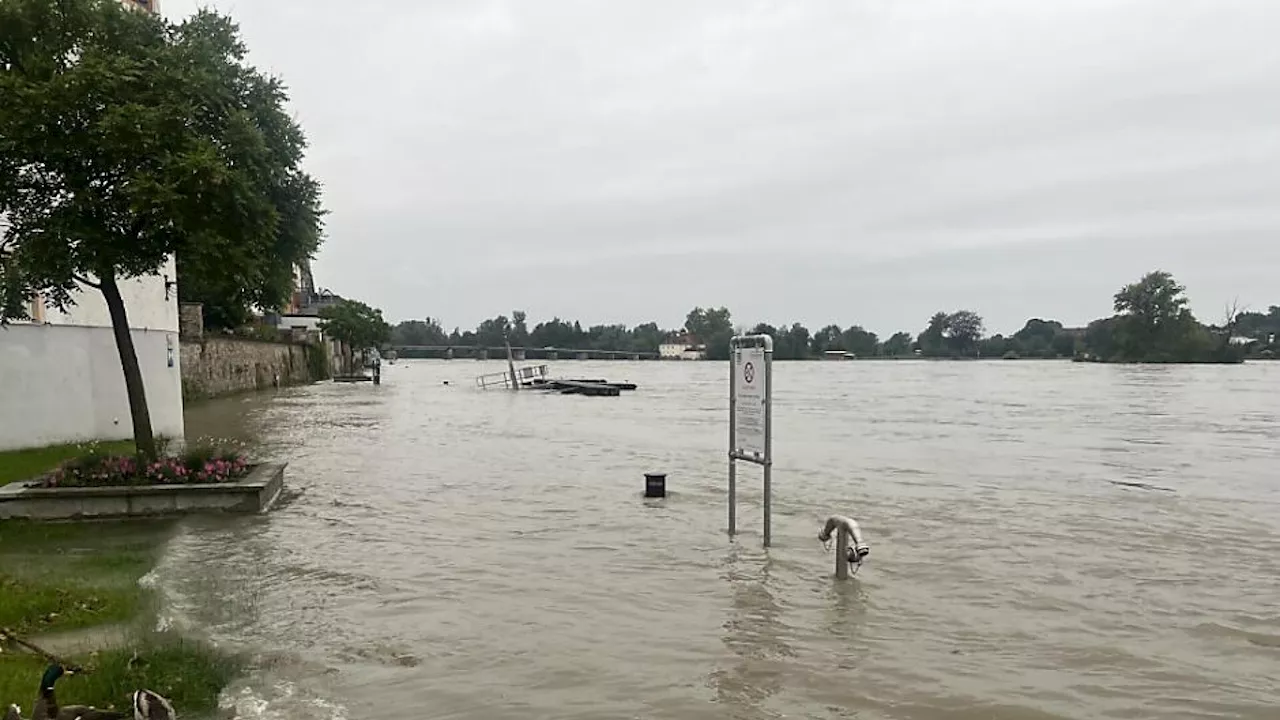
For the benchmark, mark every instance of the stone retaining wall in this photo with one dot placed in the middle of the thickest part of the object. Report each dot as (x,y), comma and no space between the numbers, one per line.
(214,366)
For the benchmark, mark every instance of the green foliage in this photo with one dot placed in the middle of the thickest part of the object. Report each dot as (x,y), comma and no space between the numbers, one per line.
(646,337)
(318,362)
(30,606)
(1262,328)
(1258,325)
(195,464)
(898,345)
(519,334)
(419,332)
(791,343)
(262,332)
(67,576)
(1037,339)
(189,674)
(952,335)
(356,324)
(1153,326)
(932,340)
(860,342)
(556,333)
(18,465)
(494,332)
(128,139)
(828,338)
(125,139)
(712,327)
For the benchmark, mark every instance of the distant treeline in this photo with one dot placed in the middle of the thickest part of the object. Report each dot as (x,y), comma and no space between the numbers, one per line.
(1151,324)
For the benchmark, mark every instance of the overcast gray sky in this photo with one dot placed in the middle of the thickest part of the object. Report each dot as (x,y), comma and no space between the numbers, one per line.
(847,161)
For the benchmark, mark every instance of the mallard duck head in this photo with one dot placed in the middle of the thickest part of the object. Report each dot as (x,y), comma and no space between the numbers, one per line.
(50,677)
(148,705)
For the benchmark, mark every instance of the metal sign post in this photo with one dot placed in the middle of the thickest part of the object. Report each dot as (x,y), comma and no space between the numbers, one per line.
(751,418)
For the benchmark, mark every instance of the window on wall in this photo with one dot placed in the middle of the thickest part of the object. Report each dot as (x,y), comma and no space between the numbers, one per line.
(37,308)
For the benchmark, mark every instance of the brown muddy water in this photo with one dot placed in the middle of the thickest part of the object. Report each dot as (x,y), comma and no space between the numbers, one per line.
(1049,540)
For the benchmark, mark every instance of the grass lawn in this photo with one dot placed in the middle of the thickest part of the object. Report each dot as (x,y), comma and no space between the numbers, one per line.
(18,465)
(65,576)
(189,674)
(57,577)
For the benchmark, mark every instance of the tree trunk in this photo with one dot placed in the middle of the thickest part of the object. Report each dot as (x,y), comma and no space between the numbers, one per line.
(142,437)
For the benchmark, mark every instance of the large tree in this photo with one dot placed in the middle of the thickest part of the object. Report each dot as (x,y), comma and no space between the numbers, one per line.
(828,338)
(355,323)
(898,344)
(1154,322)
(556,333)
(954,335)
(419,332)
(125,139)
(1155,300)
(494,332)
(647,337)
(712,327)
(860,342)
(932,340)
(964,329)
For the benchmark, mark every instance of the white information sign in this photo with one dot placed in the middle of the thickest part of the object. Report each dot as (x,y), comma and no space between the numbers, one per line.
(749,380)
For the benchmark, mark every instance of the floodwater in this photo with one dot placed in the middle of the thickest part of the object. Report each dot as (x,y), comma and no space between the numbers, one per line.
(452,553)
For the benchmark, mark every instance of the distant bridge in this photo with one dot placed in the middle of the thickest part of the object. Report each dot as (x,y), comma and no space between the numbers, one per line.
(479,352)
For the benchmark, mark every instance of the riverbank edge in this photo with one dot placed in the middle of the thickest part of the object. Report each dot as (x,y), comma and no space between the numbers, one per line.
(61,580)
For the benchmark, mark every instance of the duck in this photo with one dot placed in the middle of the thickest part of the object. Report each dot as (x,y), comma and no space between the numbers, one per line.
(148,705)
(47,708)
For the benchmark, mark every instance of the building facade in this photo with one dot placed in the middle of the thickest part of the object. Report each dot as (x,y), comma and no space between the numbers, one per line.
(682,347)
(148,5)
(60,375)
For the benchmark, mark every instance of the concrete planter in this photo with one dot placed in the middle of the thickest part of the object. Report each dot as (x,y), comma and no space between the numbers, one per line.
(254,494)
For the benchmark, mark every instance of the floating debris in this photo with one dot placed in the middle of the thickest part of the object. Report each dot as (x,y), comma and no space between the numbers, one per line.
(535,377)
(1140,485)
(582,386)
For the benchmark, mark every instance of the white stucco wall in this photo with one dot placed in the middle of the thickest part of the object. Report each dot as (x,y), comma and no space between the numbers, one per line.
(679,351)
(144,303)
(305,322)
(60,379)
(671,350)
(61,384)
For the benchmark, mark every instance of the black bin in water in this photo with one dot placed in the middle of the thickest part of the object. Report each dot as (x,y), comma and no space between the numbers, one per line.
(655,485)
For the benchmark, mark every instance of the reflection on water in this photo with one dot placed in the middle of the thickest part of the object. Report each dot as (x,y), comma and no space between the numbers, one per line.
(755,635)
(452,553)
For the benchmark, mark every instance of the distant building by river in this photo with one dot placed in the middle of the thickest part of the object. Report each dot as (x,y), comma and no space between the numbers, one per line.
(302,313)
(682,347)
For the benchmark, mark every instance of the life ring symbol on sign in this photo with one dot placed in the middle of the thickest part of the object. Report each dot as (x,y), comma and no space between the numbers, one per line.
(749,373)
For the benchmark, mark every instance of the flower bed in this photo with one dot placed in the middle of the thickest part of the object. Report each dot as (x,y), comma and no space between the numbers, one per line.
(195,466)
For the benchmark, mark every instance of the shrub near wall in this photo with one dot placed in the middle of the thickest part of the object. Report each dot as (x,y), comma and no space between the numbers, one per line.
(318,362)
(214,366)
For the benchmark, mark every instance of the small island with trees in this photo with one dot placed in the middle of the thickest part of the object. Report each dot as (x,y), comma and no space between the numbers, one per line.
(1152,324)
